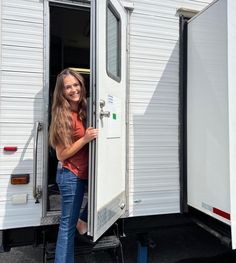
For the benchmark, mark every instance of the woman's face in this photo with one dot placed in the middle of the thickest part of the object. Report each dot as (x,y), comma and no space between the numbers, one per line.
(72,89)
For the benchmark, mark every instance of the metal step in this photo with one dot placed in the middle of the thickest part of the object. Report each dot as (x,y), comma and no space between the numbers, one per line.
(104,243)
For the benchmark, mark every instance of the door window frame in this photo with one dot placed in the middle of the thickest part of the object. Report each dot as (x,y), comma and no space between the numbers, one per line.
(111,8)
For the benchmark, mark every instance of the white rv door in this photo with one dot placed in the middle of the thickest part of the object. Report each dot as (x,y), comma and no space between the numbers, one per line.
(211,112)
(108,88)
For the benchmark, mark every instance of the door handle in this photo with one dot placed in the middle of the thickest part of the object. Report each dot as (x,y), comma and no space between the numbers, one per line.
(37,191)
(102,112)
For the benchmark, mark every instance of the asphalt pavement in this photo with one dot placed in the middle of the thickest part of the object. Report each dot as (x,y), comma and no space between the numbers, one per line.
(164,245)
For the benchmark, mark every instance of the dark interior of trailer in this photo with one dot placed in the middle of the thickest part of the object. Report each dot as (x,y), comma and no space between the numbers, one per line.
(69,48)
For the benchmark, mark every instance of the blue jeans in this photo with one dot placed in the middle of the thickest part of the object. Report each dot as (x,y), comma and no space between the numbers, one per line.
(72,192)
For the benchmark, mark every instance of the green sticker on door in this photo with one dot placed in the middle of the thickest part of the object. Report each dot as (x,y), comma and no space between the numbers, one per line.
(114,116)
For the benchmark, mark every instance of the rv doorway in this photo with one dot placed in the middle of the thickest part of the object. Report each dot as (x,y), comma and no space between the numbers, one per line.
(69,48)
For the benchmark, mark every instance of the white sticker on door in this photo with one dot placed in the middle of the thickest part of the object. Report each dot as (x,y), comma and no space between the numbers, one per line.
(114,122)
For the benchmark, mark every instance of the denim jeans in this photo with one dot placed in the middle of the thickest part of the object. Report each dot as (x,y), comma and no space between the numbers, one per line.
(72,192)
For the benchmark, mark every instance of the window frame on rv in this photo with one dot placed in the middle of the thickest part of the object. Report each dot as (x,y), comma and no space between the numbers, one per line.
(114,75)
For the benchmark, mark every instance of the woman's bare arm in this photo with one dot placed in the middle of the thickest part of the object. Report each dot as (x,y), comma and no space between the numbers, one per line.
(64,153)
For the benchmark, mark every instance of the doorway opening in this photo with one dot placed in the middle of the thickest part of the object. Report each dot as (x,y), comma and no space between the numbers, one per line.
(69,48)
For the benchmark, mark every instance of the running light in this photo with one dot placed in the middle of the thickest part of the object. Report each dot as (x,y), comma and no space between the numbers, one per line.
(10,148)
(19,178)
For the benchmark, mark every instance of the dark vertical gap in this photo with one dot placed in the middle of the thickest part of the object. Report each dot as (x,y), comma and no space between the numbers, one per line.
(183,113)
(69,47)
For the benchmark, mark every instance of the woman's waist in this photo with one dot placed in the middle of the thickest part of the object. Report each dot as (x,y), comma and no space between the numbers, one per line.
(81,160)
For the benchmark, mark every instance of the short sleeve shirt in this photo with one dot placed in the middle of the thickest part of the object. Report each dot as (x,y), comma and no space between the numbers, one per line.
(78,163)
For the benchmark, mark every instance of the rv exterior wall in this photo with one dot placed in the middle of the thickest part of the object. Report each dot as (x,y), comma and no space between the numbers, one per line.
(154,102)
(232,113)
(208,124)
(153,120)
(21,105)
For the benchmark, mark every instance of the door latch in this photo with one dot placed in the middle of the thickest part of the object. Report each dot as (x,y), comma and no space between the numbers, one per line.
(102,112)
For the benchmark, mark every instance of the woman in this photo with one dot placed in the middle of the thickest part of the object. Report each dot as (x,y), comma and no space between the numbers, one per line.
(70,139)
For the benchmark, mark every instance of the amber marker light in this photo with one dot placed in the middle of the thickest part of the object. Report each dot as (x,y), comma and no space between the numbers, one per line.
(19,179)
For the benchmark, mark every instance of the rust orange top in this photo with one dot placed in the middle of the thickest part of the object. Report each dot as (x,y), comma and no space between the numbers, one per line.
(78,163)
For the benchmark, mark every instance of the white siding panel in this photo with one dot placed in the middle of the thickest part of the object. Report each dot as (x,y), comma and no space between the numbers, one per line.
(157,114)
(17,134)
(25,59)
(153,105)
(16,158)
(6,196)
(19,166)
(22,85)
(163,157)
(21,220)
(7,190)
(23,111)
(19,215)
(144,92)
(163,29)
(153,202)
(11,211)
(19,33)
(155,49)
(21,105)
(20,161)
(151,70)
(162,179)
(156,8)
(146,136)
(23,10)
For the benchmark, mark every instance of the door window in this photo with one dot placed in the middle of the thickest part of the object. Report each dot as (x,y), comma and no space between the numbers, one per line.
(113,44)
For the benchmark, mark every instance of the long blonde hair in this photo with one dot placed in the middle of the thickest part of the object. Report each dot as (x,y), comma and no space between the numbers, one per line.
(61,130)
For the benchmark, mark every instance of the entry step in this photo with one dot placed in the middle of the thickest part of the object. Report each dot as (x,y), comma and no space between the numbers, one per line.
(82,248)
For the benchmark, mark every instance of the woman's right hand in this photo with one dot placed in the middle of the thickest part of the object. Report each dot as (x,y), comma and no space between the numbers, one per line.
(64,153)
(90,134)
